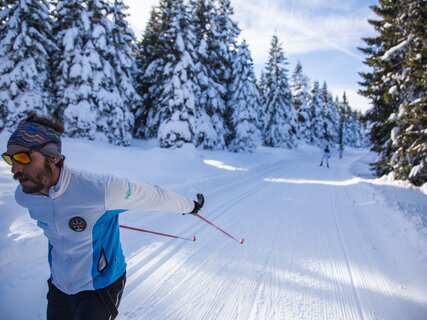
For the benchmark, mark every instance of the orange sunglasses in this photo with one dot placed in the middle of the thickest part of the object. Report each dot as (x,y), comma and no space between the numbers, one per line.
(22,157)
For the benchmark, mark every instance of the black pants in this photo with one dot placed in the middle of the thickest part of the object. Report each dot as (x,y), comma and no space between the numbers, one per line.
(85,305)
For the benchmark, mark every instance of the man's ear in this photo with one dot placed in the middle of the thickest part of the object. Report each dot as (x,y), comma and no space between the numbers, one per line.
(54,160)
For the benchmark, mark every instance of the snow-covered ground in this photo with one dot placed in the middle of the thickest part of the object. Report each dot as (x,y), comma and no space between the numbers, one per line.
(319,243)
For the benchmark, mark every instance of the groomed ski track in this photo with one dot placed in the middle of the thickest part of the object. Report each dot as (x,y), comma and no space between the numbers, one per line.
(319,244)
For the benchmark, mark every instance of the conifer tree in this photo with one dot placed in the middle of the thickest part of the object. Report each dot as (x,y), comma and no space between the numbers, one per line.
(123,58)
(178,90)
(89,92)
(280,125)
(396,86)
(316,114)
(216,45)
(262,85)
(244,103)
(409,134)
(300,98)
(150,62)
(341,123)
(360,129)
(26,45)
(364,130)
(350,127)
(379,87)
(228,32)
(330,116)
(213,89)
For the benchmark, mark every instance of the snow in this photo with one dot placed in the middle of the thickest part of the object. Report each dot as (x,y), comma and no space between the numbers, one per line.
(416,170)
(319,243)
(69,38)
(396,49)
(394,135)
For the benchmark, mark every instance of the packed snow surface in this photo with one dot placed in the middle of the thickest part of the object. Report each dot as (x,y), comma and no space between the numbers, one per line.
(319,243)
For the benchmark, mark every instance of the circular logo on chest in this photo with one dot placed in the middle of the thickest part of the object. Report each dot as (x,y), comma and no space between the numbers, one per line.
(77,224)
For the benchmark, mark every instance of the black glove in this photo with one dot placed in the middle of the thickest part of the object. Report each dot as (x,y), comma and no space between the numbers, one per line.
(198,204)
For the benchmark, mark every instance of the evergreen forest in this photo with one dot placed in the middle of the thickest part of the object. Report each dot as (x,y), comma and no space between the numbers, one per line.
(190,79)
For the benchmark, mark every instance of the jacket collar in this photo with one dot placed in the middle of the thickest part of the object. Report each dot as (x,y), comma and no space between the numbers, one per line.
(61,186)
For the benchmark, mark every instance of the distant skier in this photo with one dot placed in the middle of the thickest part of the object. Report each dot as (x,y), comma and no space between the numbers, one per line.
(326,156)
(79,214)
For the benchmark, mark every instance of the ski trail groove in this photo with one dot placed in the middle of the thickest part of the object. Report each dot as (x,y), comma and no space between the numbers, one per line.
(346,256)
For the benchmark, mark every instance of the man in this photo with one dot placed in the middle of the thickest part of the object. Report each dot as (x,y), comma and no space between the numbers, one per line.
(78,212)
(326,156)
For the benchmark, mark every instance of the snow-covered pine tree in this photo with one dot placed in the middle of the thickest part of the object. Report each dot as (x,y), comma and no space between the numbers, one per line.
(350,126)
(330,117)
(355,129)
(360,130)
(279,121)
(262,90)
(123,60)
(211,101)
(316,115)
(397,88)
(178,89)
(228,32)
(341,121)
(26,45)
(380,86)
(261,83)
(365,127)
(409,134)
(244,103)
(216,45)
(89,94)
(300,98)
(151,55)
(66,17)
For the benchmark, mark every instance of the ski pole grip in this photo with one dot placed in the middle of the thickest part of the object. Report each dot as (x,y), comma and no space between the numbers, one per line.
(200,200)
(197,204)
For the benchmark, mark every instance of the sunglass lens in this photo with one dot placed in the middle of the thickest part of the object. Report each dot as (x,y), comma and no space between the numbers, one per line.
(7,158)
(22,158)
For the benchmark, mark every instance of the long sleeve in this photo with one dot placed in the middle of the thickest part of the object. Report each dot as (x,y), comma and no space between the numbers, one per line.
(125,194)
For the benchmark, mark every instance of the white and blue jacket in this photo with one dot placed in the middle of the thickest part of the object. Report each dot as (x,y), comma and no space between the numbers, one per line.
(80,219)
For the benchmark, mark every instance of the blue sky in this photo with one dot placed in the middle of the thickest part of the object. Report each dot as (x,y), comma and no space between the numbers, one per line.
(322,34)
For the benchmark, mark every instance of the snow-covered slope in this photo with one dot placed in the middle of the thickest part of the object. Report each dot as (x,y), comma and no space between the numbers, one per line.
(319,243)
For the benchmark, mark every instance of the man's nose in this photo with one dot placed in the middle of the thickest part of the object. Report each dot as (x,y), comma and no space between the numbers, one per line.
(16,167)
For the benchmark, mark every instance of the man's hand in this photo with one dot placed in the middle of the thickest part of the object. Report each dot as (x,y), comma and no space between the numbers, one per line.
(198,204)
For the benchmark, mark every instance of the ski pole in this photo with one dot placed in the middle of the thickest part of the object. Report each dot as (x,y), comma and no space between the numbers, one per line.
(218,228)
(193,238)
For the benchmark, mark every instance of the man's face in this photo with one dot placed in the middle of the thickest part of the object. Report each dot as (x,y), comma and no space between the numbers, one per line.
(35,176)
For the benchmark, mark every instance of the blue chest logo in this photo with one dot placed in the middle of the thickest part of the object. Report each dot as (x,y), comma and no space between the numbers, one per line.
(77,224)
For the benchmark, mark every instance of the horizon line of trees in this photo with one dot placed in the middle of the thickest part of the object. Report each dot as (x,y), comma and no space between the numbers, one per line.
(188,80)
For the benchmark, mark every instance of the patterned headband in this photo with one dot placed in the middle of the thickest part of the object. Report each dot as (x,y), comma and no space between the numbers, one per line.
(31,135)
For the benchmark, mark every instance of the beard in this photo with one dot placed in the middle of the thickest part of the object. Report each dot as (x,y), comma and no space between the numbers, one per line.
(38,180)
